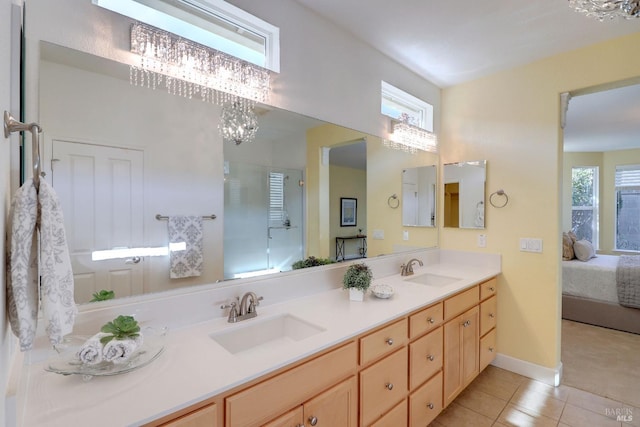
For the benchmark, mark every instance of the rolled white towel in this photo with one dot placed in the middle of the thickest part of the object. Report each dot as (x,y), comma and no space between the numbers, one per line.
(90,352)
(118,351)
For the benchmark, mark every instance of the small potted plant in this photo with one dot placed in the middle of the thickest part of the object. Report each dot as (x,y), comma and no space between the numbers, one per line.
(357,279)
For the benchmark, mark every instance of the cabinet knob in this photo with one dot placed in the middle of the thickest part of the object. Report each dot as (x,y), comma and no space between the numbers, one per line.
(492,289)
(430,358)
(313,420)
(430,406)
(491,349)
(389,341)
(491,315)
(467,323)
(431,320)
(389,386)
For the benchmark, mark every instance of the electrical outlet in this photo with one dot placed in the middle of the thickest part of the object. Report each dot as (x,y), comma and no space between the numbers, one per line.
(378,234)
(405,235)
(482,240)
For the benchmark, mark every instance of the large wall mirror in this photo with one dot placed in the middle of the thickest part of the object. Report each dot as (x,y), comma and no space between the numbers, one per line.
(464,194)
(419,196)
(119,155)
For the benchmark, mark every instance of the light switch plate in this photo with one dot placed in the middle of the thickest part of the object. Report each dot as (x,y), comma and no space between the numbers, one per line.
(405,235)
(378,234)
(482,240)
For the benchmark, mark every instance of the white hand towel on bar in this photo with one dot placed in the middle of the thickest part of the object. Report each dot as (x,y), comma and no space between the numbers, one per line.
(56,290)
(187,262)
(22,265)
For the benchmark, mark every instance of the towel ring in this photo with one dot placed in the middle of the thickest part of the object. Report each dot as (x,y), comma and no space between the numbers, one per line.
(391,204)
(499,193)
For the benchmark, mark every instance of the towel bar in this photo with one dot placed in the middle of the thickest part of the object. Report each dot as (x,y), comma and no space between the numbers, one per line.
(164,217)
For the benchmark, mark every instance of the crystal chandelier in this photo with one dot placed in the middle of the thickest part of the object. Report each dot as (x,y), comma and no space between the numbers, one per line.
(607,9)
(189,69)
(238,123)
(410,138)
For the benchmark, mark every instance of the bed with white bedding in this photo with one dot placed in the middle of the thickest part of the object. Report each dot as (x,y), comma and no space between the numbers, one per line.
(590,294)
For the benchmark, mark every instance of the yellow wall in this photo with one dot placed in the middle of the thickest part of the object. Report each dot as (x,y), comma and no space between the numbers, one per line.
(512,119)
(384,178)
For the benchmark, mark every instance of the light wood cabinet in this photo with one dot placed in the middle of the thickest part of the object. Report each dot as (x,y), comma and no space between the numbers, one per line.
(425,357)
(426,320)
(203,417)
(487,349)
(461,360)
(488,312)
(426,402)
(293,418)
(397,417)
(383,341)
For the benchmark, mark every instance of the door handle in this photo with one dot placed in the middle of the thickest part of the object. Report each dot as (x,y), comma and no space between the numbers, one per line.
(134,260)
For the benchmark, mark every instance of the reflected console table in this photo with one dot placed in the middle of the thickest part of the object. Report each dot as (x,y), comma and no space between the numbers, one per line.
(341,253)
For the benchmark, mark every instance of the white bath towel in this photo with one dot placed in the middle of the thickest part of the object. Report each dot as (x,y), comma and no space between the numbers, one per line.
(31,210)
(22,274)
(187,262)
(119,351)
(90,352)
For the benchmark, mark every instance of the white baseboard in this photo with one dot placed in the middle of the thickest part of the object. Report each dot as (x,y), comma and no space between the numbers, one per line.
(543,374)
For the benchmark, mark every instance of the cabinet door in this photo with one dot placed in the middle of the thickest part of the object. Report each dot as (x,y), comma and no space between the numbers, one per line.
(461,362)
(292,418)
(426,403)
(397,417)
(204,417)
(337,406)
(488,315)
(487,349)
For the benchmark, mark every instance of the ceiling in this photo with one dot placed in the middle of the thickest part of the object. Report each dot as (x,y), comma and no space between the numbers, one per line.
(453,41)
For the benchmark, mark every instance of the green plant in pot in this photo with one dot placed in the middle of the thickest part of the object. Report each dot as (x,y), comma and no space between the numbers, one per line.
(357,280)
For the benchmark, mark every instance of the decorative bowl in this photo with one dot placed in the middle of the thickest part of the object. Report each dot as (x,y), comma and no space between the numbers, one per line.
(382,291)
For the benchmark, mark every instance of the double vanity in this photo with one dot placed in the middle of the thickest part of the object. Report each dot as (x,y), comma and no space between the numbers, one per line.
(306,359)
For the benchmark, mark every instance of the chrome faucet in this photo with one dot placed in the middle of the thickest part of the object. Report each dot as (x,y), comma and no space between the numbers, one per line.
(242,309)
(407,269)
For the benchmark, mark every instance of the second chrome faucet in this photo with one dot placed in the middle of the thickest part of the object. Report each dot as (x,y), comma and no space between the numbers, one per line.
(245,310)
(407,269)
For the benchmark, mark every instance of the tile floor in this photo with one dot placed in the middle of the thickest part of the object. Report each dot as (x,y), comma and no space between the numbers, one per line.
(501,398)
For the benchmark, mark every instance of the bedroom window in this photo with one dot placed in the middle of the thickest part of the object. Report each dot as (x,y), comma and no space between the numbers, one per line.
(584,210)
(628,207)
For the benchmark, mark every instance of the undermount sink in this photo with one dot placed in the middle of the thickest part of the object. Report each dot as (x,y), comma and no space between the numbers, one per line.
(430,279)
(265,333)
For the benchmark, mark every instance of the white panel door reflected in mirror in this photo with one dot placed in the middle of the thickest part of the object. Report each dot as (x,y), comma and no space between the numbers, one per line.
(419,196)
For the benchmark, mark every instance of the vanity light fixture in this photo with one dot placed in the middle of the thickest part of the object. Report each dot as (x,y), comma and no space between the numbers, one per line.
(410,138)
(607,9)
(190,69)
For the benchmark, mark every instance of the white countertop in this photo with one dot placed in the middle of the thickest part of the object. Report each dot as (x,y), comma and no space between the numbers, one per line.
(194,367)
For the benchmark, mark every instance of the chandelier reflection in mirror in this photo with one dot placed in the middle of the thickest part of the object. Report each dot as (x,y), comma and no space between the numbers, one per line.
(189,69)
(238,123)
(607,9)
(410,138)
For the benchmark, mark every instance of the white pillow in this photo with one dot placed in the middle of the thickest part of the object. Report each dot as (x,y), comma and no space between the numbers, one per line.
(584,250)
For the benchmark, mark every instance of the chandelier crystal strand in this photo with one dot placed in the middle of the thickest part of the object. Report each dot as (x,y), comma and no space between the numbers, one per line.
(410,138)
(607,9)
(187,68)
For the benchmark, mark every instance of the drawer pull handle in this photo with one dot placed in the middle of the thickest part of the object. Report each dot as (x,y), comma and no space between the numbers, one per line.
(491,349)
(313,420)
(430,406)
(491,315)
(431,320)
(492,289)
(467,323)
(430,358)
(389,341)
(389,386)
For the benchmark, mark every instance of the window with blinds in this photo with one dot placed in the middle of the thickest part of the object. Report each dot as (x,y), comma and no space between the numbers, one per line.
(627,186)
(276,197)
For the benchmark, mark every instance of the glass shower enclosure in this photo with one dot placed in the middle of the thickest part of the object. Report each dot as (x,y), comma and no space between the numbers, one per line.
(263,219)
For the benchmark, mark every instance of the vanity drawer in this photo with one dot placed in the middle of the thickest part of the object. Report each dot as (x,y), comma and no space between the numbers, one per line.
(488,288)
(383,385)
(266,400)
(426,403)
(460,303)
(383,341)
(207,416)
(426,320)
(425,357)
(397,417)
(487,349)
(488,315)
